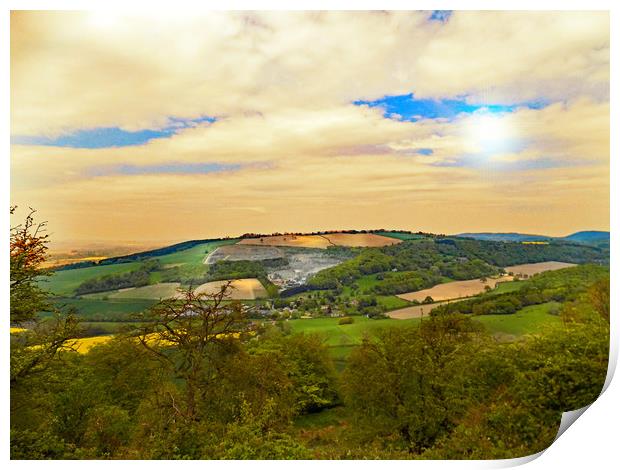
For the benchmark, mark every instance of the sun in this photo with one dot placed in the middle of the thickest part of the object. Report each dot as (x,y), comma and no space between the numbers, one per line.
(489,132)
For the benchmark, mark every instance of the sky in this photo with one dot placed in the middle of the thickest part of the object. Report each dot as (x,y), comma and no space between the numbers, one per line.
(176,126)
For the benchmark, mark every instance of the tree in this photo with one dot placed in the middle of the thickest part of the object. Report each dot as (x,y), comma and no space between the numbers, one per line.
(188,333)
(407,384)
(34,348)
(599,296)
(28,245)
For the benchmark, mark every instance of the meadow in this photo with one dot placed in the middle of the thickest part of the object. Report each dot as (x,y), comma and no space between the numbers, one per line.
(534,319)
(64,283)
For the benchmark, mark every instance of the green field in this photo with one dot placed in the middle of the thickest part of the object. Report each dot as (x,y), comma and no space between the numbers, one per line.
(153,291)
(64,283)
(391,302)
(509,286)
(341,339)
(100,328)
(107,310)
(194,255)
(401,235)
(528,320)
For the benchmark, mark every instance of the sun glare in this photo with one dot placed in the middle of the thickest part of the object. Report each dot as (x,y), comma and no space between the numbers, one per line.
(489,132)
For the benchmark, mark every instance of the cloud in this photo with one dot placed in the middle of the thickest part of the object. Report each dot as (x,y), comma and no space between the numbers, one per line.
(289,149)
(105,70)
(109,136)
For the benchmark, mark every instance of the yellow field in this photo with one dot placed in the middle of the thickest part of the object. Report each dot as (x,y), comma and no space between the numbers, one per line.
(535,268)
(242,289)
(302,241)
(83,345)
(454,290)
(417,311)
(323,241)
(361,239)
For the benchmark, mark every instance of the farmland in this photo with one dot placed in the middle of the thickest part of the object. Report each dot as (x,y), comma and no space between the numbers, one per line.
(240,252)
(415,311)
(536,268)
(114,310)
(535,319)
(241,289)
(262,269)
(454,290)
(324,241)
(65,282)
(318,328)
(161,290)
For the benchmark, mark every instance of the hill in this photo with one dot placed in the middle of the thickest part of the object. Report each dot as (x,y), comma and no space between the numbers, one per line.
(592,236)
(504,237)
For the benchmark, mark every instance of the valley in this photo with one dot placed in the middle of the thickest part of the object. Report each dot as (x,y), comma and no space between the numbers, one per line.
(303,283)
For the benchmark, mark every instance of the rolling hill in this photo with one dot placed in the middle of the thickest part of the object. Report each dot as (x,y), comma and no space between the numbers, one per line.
(592,237)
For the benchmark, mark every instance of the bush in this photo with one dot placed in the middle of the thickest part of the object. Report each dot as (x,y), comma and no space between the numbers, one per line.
(345,321)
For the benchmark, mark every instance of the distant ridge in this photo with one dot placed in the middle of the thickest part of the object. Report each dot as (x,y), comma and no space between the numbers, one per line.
(505,237)
(587,237)
(592,236)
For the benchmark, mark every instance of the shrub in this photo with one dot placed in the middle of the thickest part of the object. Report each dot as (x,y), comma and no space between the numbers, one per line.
(345,321)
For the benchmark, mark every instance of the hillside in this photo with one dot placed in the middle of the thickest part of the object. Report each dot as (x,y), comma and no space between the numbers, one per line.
(591,237)
(504,237)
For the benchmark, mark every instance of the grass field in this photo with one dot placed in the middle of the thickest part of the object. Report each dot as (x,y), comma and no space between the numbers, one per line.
(97,328)
(363,283)
(390,302)
(64,283)
(401,235)
(194,255)
(109,310)
(528,320)
(341,339)
(509,286)
(158,291)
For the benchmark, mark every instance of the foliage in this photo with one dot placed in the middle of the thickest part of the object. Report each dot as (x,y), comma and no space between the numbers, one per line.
(199,327)
(194,379)
(28,250)
(137,278)
(559,286)
(406,381)
(252,436)
(309,367)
